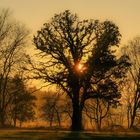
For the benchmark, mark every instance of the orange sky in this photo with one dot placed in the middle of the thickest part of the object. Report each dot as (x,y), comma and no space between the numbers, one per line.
(125,13)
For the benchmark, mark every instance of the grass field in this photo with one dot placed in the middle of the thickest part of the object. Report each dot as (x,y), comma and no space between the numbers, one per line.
(8,134)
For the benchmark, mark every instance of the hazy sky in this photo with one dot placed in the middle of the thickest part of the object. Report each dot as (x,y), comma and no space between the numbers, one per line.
(125,13)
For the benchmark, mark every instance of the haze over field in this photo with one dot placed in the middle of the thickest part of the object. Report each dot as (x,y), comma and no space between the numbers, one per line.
(91,69)
(34,13)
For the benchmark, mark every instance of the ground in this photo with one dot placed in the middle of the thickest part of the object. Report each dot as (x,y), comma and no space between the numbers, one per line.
(26,134)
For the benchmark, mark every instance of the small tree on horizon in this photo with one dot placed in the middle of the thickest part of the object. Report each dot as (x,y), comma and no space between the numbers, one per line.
(23,102)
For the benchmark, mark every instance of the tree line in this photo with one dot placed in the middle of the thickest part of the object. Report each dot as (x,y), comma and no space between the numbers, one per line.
(79,58)
(16,102)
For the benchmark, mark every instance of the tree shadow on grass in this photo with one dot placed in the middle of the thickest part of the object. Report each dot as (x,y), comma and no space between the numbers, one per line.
(91,136)
(66,135)
(23,136)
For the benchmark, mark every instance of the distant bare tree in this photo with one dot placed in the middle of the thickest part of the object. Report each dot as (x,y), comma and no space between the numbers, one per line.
(97,110)
(50,109)
(55,109)
(127,98)
(132,49)
(13,37)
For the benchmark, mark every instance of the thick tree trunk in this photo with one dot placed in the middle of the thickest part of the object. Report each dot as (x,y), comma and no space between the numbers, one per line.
(2,119)
(77,117)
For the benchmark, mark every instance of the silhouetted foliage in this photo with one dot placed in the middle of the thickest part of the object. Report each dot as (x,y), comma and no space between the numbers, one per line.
(79,57)
(23,102)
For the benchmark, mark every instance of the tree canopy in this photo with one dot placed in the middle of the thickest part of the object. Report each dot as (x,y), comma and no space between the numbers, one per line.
(79,57)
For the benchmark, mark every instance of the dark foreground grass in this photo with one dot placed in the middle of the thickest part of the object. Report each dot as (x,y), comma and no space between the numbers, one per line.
(66,135)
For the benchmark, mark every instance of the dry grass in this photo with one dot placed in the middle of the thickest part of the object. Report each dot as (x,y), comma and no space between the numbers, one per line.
(20,134)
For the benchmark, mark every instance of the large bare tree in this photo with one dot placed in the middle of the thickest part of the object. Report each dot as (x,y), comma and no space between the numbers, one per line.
(77,55)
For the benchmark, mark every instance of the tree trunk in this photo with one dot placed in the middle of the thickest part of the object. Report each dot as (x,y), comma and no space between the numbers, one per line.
(20,124)
(100,124)
(2,119)
(133,117)
(15,122)
(128,117)
(51,121)
(77,117)
(58,118)
(132,121)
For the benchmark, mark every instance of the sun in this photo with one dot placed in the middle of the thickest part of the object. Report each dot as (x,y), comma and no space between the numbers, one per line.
(80,67)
